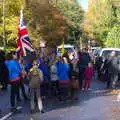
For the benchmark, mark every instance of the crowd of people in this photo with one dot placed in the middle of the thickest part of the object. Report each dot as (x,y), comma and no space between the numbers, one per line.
(57,77)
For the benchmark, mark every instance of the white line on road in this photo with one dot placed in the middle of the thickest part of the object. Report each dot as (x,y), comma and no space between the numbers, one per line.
(9,114)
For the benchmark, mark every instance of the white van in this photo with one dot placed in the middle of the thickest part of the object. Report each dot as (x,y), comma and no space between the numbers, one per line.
(68,48)
(105,52)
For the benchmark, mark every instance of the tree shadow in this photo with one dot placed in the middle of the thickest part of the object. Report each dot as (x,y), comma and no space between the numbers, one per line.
(98,90)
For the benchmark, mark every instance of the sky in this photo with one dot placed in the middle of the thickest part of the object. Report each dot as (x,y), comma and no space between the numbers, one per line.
(83,3)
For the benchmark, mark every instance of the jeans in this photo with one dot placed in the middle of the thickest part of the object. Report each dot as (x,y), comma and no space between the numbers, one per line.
(21,86)
(14,93)
(55,88)
(81,74)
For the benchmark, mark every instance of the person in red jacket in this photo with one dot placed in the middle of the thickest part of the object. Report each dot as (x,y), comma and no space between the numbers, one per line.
(88,75)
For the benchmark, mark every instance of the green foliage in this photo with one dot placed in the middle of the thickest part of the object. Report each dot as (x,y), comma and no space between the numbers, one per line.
(12,11)
(44,21)
(102,20)
(74,16)
(113,38)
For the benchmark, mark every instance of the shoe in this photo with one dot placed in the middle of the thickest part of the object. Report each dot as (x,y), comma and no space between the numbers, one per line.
(13,109)
(32,111)
(26,99)
(89,89)
(19,100)
(83,89)
(42,111)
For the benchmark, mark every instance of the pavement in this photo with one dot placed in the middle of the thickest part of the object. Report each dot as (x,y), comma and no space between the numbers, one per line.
(96,104)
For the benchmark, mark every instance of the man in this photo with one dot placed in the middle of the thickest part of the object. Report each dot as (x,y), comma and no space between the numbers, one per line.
(84,59)
(112,68)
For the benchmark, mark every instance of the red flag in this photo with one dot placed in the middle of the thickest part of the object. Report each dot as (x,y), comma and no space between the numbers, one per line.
(23,42)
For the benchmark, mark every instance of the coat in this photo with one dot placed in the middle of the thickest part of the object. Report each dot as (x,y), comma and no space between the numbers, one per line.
(53,73)
(4,74)
(84,59)
(112,65)
(44,68)
(63,72)
(36,77)
(14,70)
(88,73)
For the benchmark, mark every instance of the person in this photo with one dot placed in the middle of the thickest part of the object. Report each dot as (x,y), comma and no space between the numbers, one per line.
(0,91)
(14,79)
(99,62)
(74,85)
(36,78)
(21,83)
(54,79)
(84,59)
(3,72)
(88,75)
(112,68)
(45,83)
(64,80)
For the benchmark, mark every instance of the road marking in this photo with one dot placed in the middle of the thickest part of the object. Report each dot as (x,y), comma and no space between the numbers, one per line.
(118,97)
(9,114)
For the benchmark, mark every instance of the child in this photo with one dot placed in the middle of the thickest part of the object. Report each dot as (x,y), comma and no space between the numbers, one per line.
(88,75)
(54,79)
(36,78)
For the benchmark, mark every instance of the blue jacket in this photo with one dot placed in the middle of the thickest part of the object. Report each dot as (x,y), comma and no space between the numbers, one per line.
(63,71)
(14,70)
(45,71)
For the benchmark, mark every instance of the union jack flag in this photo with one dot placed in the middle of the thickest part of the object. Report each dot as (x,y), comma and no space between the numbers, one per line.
(23,44)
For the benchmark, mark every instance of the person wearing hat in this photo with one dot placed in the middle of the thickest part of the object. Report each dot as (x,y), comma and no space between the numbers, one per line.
(36,77)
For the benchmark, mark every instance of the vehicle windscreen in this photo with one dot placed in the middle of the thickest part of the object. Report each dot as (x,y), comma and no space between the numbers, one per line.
(96,52)
(66,50)
(106,53)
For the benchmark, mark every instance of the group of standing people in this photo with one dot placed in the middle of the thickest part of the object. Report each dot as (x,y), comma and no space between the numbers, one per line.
(53,76)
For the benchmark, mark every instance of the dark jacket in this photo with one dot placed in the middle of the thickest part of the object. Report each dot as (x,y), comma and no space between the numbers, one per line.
(4,74)
(112,65)
(84,59)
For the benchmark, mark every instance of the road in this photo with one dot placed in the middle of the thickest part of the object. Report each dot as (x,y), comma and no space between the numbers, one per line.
(97,104)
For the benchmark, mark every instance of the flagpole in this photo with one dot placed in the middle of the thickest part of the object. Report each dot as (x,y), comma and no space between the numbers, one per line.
(4,42)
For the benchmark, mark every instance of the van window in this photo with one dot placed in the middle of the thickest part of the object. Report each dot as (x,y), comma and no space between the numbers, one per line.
(106,53)
(66,50)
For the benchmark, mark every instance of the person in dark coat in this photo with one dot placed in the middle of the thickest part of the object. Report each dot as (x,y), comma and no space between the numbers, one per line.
(112,66)
(84,59)
(3,72)
(99,62)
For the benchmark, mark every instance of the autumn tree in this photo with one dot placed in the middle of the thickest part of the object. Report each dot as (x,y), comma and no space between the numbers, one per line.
(98,19)
(12,9)
(73,14)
